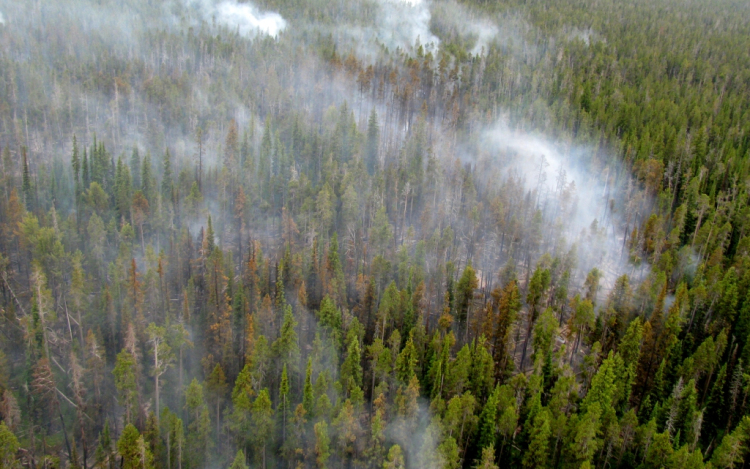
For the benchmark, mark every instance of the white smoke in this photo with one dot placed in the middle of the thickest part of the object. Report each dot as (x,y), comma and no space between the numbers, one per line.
(449,15)
(551,167)
(540,161)
(2,18)
(485,32)
(403,22)
(243,18)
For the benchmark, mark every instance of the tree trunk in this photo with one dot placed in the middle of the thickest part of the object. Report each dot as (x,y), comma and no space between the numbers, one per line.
(169,449)
(143,245)
(157,397)
(218,419)
(156,376)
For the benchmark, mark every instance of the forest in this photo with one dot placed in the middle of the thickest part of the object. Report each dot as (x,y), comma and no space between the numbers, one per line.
(374,234)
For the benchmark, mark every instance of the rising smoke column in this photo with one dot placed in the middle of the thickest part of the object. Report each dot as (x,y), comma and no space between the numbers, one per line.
(569,184)
(403,22)
(243,18)
(248,20)
(469,24)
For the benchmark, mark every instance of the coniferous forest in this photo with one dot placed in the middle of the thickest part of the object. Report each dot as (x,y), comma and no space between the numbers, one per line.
(374,234)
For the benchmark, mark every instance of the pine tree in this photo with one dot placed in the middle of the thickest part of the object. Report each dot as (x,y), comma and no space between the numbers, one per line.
(239,461)
(537,454)
(659,452)
(86,172)
(371,148)
(508,305)
(8,448)
(135,168)
(465,298)
(732,447)
(406,362)
(283,407)
(140,214)
(376,450)
(286,347)
(216,385)
(104,454)
(133,450)
(488,422)
(307,392)
(148,184)
(603,385)
(322,445)
(75,161)
(125,382)
(585,442)
(152,438)
(162,354)
(449,453)
(395,458)
(335,287)
(231,149)
(630,351)
(166,177)
(488,459)
(242,395)
(351,369)
(123,189)
(199,443)
(28,195)
(348,429)
(263,426)
(219,337)
(538,285)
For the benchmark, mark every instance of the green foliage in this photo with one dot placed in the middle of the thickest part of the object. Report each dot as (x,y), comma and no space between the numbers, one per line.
(239,461)
(132,449)
(125,382)
(395,458)
(8,448)
(262,424)
(322,445)
(538,453)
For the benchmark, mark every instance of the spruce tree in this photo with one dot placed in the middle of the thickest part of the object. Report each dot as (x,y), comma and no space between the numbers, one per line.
(28,195)
(307,392)
(371,147)
(239,461)
(8,448)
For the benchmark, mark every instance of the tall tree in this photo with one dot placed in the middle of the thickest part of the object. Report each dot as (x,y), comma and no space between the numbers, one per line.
(162,355)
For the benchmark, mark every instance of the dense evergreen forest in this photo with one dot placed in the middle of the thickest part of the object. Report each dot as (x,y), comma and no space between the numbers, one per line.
(374,234)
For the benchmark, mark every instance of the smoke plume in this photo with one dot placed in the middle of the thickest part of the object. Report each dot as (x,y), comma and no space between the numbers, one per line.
(244,18)
(403,22)
(247,20)
(570,183)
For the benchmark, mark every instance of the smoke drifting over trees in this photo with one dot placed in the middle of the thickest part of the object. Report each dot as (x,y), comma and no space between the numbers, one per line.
(243,18)
(373,233)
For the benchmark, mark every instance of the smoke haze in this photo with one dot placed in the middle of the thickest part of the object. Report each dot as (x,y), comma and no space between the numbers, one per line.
(246,19)
(404,22)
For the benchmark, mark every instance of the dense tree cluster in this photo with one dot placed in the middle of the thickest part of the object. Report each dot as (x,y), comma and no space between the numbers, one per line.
(221,251)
